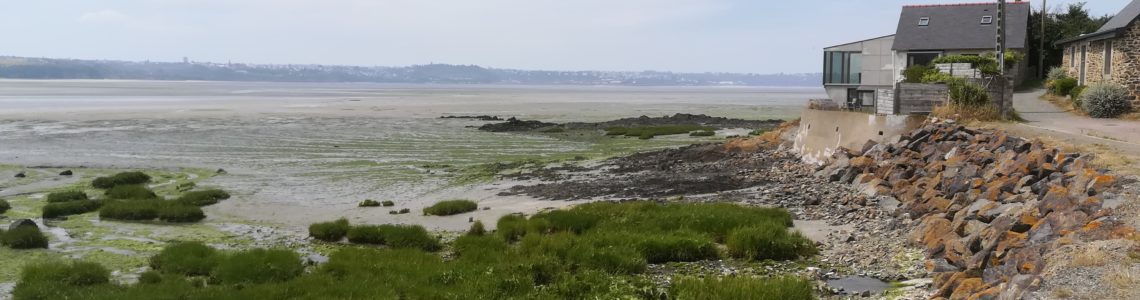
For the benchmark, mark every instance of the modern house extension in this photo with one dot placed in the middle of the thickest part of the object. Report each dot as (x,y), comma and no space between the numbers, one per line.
(865,75)
(853,73)
(1109,55)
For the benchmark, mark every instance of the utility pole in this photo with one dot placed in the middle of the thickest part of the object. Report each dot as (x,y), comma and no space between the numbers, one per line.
(1041,50)
(1003,103)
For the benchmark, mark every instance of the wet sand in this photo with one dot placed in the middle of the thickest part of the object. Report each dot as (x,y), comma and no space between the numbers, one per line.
(302,153)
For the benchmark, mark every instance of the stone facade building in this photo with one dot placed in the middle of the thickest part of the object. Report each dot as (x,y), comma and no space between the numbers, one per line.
(1109,55)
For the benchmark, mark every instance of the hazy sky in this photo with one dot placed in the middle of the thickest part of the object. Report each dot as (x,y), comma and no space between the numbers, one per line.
(759,36)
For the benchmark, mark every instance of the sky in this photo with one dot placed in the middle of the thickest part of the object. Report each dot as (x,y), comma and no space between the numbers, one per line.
(743,36)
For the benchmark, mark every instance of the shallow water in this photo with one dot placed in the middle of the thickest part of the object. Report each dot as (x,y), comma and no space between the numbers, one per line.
(857,285)
(300,153)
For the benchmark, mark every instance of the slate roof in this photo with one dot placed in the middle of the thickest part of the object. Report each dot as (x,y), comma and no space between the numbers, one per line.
(959,27)
(1114,28)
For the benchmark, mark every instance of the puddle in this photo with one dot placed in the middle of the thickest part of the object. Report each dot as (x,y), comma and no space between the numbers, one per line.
(858,285)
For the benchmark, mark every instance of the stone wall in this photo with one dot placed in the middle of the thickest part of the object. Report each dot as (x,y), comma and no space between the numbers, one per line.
(989,206)
(1125,61)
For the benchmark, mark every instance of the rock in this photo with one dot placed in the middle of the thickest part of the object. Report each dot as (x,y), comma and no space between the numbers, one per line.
(66,173)
(21,223)
(220,171)
(21,175)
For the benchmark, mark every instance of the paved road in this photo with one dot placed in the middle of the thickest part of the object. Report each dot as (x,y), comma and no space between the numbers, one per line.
(1044,115)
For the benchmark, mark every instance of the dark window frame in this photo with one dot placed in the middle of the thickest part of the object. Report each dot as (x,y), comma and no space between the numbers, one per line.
(845,75)
(1108,57)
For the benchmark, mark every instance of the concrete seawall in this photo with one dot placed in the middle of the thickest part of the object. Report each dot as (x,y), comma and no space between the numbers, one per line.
(822,132)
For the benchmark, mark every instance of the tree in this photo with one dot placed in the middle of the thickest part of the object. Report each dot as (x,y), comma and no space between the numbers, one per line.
(1060,24)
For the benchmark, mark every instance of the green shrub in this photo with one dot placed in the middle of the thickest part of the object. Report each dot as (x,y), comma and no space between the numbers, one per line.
(366,234)
(703,133)
(914,74)
(124,178)
(368,203)
(4,206)
(768,242)
(1076,94)
(451,207)
(129,210)
(330,231)
(129,192)
(203,198)
(1064,86)
(180,213)
(258,266)
(973,60)
(968,94)
(511,227)
(1106,100)
(477,229)
(387,203)
(759,132)
(1056,73)
(409,236)
(150,277)
(186,258)
(57,197)
(778,288)
(24,237)
(62,209)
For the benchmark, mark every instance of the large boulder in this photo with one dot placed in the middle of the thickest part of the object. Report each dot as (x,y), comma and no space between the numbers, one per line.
(21,223)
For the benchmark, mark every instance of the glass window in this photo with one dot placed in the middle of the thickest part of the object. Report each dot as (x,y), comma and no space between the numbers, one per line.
(987,20)
(837,63)
(855,68)
(1108,58)
(924,21)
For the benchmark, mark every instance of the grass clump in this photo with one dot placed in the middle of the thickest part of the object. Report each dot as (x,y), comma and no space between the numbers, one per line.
(124,178)
(369,203)
(778,288)
(129,192)
(768,242)
(258,266)
(366,234)
(477,229)
(330,231)
(24,237)
(451,207)
(62,209)
(203,198)
(409,236)
(395,236)
(67,196)
(129,210)
(180,213)
(511,227)
(186,258)
(4,206)
(388,203)
(592,251)
(703,133)
(649,132)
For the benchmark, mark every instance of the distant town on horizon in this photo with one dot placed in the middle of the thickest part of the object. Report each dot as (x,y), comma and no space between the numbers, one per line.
(12,67)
